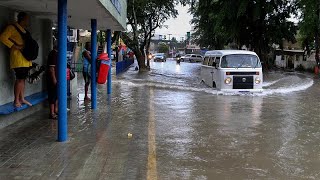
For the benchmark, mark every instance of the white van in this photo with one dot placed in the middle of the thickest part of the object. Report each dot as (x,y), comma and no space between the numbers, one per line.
(232,70)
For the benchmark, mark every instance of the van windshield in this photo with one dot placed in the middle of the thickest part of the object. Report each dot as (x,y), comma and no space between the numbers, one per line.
(240,61)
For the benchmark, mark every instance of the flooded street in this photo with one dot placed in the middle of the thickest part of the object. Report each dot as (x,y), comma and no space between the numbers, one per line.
(166,124)
(200,133)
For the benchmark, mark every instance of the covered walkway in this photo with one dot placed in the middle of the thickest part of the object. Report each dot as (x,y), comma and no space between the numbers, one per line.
(92,15)
(98,146)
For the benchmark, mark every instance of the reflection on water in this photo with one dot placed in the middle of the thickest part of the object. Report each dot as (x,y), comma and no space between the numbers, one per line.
(195,132)
(178,68)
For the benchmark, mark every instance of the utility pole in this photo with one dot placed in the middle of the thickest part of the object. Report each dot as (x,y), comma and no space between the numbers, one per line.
(170,45)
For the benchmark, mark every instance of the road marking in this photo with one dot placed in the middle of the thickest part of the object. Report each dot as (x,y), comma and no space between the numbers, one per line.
(152,173)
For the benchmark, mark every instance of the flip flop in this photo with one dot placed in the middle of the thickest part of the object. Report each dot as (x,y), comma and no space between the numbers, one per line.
(53,116)
(17,105)
(26,102)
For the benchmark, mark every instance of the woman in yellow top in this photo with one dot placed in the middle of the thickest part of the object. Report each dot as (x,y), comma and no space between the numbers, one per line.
(13,40)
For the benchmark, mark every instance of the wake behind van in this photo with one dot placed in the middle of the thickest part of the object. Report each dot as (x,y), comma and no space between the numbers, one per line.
(232,70)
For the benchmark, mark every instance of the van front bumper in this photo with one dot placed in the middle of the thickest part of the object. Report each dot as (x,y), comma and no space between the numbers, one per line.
(242,90)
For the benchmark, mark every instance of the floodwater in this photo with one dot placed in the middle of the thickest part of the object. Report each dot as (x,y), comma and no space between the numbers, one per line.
(200,133)
(166,124)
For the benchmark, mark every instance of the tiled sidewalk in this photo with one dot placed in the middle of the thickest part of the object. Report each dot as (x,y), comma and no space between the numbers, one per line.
(98,146)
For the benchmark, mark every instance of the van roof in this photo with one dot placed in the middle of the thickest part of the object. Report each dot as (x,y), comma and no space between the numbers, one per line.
(228,52)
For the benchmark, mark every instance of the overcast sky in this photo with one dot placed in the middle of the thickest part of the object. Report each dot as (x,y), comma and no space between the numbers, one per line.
(179,26)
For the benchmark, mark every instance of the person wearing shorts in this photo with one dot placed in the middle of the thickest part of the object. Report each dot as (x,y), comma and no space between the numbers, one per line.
(21,73)
(20,65)
(86,69)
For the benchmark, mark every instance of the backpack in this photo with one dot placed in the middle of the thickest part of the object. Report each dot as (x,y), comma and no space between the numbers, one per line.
(31,47)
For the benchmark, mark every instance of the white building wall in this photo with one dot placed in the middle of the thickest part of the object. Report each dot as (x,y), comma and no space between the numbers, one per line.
(298,60)
(310,62)
(279,62)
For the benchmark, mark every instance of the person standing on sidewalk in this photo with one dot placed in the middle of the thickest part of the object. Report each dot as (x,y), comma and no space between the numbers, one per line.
(86,54)
(52,81)
(13,40)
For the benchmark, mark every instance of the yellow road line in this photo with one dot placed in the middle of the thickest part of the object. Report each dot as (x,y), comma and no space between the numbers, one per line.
(152,173)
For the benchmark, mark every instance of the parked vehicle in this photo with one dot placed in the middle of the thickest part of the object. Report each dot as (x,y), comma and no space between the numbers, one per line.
(185,57)
(195,58)
(232,70)
(160,57)
(192,58)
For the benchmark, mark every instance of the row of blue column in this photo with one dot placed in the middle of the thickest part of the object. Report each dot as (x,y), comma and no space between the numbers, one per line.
(62,66)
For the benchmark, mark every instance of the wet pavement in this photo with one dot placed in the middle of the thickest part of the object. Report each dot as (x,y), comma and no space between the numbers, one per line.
(180,129)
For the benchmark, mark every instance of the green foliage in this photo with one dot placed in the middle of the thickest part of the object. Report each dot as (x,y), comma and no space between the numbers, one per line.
(163,48)
(256,24)
(309,22)
(101,37)
(144,16)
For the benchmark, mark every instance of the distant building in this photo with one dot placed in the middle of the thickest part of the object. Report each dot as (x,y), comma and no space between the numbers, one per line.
(192,49)
(292,59)
(293,56)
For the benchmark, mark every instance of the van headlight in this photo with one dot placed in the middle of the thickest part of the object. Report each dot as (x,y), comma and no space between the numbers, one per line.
(258,80)
(228,80)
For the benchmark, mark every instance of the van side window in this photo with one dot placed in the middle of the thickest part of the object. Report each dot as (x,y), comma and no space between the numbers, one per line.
(217,61)
(211,61)
(206,61)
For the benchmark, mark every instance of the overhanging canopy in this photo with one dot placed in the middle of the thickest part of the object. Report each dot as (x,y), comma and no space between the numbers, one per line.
(79,12)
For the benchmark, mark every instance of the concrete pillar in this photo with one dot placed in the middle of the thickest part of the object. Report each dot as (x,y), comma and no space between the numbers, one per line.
(93,63)
(62,73)
(109,51)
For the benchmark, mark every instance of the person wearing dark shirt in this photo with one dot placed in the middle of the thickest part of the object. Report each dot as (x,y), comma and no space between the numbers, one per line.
(52,82)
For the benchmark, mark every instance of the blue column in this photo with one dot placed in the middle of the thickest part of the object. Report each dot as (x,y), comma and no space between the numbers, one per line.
(109,51)
(61,69)
(93,63)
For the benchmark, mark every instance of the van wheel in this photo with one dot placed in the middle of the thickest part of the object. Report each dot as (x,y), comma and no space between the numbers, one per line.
(214,85)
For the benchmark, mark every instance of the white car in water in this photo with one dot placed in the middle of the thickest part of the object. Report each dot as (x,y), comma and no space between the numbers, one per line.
(185,57)
(159,57)
(192,58)
(232,70)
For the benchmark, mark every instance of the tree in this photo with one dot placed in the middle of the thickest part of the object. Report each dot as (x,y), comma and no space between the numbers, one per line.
(173,43)
(257,24)
(163,48)
(144,16)
(310,25)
